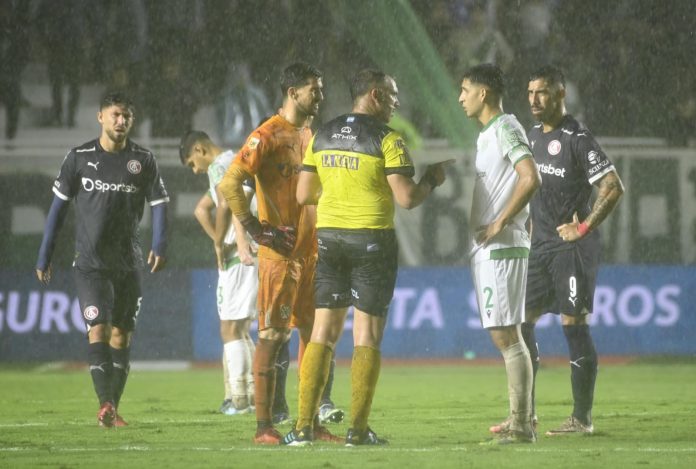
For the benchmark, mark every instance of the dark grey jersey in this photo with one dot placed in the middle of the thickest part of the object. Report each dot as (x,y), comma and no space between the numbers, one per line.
(570,160)
(110,190)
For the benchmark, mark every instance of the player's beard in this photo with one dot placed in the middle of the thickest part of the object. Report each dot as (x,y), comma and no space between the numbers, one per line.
(117,138)
(311,110)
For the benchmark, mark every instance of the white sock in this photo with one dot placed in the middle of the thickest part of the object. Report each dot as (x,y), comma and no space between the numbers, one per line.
(518,365)
(226,377)
(235,353)
(250,350)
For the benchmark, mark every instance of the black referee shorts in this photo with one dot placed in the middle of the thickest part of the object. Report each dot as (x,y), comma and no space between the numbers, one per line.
(109,297)
(356,267)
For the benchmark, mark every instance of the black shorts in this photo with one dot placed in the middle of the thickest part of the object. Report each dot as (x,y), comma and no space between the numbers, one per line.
(356,267)
(562,282)
(109,297)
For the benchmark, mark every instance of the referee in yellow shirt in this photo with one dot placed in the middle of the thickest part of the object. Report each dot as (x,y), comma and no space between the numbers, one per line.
(354,168)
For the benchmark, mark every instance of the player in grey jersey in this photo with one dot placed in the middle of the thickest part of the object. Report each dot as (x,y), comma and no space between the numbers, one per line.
(110,179)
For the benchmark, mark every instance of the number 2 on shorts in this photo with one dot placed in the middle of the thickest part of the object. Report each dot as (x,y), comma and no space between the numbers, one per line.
(488,292)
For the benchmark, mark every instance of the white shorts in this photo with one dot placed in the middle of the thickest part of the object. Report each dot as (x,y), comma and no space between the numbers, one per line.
(500,286)
(236,292)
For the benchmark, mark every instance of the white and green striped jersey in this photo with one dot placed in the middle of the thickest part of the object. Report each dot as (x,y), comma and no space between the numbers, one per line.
(501,144)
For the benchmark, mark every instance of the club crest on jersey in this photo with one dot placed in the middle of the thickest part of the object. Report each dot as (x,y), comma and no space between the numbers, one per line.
(554,147)
(90,313)
(134,167)
(285,311)
(253,143)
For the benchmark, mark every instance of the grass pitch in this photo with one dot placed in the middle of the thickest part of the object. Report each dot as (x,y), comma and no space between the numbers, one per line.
(434,416)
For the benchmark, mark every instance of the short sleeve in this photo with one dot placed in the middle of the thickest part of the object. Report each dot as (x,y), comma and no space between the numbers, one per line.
(215,175)
(250,156)
(309,163)
(66,183)
(397,159)
(591,157)
(156,192)
(513,143)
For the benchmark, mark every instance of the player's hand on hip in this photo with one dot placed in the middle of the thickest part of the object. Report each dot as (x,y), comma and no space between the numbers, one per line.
(569,231)
(220,255)
(156,262)
(246,253)
(44,276)
(485,233)
(281,239)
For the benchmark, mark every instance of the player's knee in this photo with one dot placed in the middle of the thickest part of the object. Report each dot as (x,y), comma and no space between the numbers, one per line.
(119,338)
(275,334)
(574,320)
(504,337)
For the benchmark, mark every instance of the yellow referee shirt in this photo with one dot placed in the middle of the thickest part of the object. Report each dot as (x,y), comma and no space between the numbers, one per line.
(353,155)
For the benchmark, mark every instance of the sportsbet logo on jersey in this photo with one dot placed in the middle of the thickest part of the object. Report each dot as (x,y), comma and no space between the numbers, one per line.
(551,169)
(89,185)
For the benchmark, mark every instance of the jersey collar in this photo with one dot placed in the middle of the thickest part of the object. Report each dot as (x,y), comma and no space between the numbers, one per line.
(490,122)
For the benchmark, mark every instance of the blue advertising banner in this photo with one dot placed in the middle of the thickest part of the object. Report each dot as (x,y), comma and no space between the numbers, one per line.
(638,310)
(44,323)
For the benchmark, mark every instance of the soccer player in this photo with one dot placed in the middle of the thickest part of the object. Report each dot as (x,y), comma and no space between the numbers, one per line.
(506,179)
(354,168)
(284,230)
(110,179)
(237,276)
(565,241)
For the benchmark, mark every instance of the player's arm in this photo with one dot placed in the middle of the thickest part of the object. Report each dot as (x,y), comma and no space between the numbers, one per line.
(223,218)
(308,187)
(232,192)
(244,249)
(528,181)
(409,194)
(54,222)
(204,214)
(610,190)
(156,259)
(280,239)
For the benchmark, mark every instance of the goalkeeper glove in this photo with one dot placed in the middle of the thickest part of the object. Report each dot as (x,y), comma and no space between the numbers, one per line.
(281,238)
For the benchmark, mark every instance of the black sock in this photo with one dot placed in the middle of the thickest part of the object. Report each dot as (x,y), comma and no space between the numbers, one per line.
(583,370)
(280,404)
(121,360)
(101,369)
(326,395)
(531,343)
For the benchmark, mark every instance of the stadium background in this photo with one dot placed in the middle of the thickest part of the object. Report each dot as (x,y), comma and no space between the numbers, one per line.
(213,65)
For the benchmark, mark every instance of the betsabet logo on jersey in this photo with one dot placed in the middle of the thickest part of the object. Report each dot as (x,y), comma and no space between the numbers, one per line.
(90,185)
(551,170)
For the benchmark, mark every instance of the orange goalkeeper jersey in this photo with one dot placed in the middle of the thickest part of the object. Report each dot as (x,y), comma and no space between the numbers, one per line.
(273,154)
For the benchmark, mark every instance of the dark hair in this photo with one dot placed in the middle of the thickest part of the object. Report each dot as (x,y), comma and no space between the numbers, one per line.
(365,80)
(297,75)
(189,139)
(552,74)
(117,98)
(489,75)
